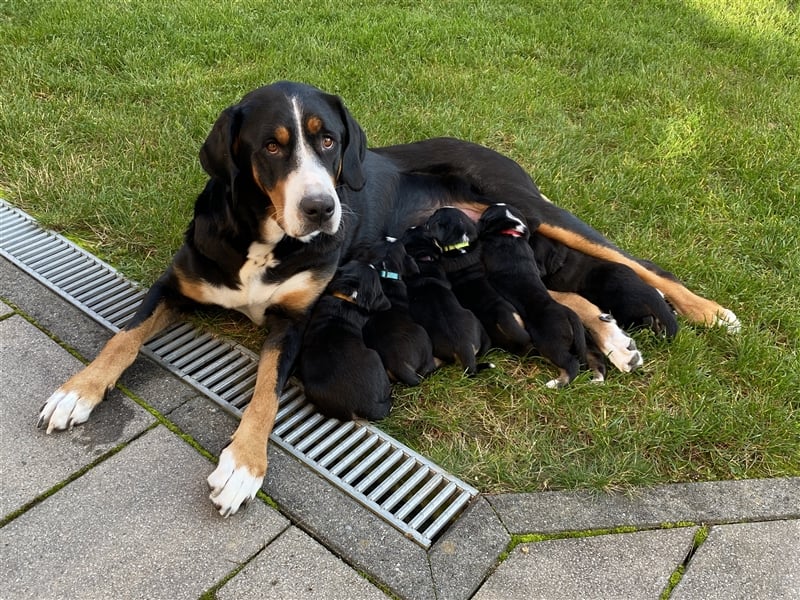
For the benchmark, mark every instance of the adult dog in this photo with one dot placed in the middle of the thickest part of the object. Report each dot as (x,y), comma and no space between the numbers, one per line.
(292,189)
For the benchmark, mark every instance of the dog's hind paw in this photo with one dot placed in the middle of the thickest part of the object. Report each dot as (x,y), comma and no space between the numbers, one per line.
(64,409)
(232,486)
(727,319)
(619,348)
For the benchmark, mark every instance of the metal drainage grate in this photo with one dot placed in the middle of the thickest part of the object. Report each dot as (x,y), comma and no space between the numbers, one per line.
(404,488)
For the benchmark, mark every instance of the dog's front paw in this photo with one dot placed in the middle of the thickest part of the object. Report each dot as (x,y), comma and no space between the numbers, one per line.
(64,409)
(233,484)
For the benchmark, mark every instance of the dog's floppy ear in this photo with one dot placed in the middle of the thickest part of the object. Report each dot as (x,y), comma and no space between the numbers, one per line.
(354,149)
(218,154)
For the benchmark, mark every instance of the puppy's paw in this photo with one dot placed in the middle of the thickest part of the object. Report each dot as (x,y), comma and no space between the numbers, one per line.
(233,484)
(66,408)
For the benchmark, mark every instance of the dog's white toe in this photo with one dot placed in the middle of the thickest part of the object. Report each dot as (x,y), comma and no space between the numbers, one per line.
(232,486)
(619,348)
(63,410)
(726,318)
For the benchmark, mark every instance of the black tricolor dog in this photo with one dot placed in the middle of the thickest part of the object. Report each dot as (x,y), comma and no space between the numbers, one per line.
(555,330)
(284,164)
(456,333)
(402,343)
(457,236)
(340,375)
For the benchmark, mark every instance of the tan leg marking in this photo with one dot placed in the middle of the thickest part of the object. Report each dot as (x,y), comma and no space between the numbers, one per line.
(687,303)
(74,401)
(243,464)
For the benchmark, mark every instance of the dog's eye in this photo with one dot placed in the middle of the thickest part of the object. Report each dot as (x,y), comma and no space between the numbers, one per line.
(272,147)
(328,142)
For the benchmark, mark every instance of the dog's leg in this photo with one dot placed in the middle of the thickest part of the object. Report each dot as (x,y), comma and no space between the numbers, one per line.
(613,342)
(243,463)
(74,401)
(687,303)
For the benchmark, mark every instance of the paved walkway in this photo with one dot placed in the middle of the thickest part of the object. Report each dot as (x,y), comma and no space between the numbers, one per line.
(118,508)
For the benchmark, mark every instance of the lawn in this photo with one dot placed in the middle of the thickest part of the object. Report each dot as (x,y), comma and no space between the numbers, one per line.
(672,127)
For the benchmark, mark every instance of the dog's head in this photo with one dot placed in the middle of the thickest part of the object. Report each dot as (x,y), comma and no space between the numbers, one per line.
(296,144)
(358,282)
(453,230)
(503,219)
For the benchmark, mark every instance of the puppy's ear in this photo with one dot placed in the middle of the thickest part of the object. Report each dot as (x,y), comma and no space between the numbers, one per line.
(354,149)
(218,154)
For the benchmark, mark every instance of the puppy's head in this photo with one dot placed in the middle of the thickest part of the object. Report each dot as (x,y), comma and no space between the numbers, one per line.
(295,144)
(421,246)
(453,230)
(390,258)
(502,219)
(358,282)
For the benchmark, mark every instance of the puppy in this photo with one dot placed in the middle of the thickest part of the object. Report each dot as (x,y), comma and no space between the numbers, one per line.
(457,235)
(403,344)
(456,333)
(340,375)
(555,330)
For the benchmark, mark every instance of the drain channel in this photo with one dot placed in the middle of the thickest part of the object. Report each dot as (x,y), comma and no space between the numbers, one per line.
(403,487)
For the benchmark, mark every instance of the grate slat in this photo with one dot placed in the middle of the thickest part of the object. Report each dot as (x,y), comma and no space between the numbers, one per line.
(351,457)
(415,500)
(359,459)
(365,464)
(332,439)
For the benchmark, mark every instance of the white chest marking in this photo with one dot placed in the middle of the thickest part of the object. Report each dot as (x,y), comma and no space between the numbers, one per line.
(253,295)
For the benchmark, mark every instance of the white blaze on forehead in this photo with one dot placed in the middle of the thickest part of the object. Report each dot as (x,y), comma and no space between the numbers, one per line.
(308,177)
(520,225)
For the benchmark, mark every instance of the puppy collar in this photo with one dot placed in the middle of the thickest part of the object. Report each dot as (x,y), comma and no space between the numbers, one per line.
(389,275)
(457,246)
(512,232)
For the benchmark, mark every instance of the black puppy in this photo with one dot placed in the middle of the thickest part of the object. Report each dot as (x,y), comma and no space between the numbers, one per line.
(340,375)
(457,235)
(555,330)
(402,343)
(613,287)
(456,333)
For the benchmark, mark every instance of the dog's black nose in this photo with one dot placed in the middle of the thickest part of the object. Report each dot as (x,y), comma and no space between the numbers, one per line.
(318,208)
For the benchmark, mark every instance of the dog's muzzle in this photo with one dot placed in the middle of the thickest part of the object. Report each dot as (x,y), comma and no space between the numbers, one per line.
(318,209)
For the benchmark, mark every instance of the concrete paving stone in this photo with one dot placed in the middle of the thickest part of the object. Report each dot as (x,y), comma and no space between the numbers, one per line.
(32,366)
(145,378)
(350,530)
(710,502)
(53,313)
(295,567)
(207,423)
(745,561)
(138,525)
(626,566)
(5,309)
(467,551)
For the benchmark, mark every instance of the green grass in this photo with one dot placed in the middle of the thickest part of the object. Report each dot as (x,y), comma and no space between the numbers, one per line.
(672,127)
